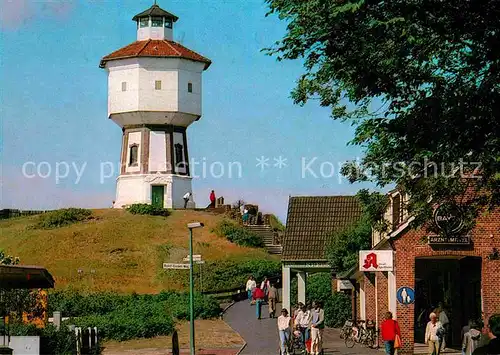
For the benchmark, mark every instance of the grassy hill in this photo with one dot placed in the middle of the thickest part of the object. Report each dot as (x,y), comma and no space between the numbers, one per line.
(118,251)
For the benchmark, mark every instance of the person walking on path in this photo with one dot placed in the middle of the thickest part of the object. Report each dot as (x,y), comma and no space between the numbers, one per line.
(389,329)
(284,329)
(471,339)
(212,199)
(317,327)
(445,322)
(259,298)
(272,298)
(492,330)
(432,332)
(304,323)
(251,284)
(265,286)
(186,198)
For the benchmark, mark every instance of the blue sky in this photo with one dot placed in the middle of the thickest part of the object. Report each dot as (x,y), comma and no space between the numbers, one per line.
(54,105)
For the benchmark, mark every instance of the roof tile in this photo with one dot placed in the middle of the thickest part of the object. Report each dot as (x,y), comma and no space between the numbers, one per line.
(155,48)
(311,219)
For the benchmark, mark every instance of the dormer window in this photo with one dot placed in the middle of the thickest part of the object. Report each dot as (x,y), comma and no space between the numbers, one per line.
(168,22)
(157,22)
(144,22)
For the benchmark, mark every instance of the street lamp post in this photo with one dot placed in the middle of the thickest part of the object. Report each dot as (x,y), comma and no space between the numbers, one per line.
(191,226)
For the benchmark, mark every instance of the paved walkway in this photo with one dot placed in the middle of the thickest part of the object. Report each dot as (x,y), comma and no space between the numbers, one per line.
(262,335)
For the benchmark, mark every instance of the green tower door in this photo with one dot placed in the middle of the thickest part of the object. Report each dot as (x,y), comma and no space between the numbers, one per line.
(157,193)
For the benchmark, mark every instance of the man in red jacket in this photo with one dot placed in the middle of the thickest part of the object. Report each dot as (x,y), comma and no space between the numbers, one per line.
(212,199)
(389,330)
(259,296)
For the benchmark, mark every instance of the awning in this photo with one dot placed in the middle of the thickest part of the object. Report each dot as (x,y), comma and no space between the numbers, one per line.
(24,277)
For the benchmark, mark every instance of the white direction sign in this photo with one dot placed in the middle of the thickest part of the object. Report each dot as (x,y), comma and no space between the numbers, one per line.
(175,266)
(196,257)
(195,261)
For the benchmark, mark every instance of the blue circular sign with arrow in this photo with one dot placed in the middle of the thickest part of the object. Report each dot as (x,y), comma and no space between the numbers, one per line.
(405,295)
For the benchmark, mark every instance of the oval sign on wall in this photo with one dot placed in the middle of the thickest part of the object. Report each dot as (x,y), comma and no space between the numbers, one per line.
(448,218)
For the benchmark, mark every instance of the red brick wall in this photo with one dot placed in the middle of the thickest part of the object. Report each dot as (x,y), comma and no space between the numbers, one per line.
(382,298)
(409,246)
(369,288)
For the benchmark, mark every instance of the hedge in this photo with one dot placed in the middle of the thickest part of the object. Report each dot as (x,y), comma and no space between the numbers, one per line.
(238,234)
(52,341)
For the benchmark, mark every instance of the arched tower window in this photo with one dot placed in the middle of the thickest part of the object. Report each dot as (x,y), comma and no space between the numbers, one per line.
(133,155)
(179,154)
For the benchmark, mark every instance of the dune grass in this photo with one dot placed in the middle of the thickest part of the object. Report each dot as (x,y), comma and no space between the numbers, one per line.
(119,251)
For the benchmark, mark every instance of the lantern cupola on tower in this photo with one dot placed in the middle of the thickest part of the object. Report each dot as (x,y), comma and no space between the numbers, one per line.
(155,23)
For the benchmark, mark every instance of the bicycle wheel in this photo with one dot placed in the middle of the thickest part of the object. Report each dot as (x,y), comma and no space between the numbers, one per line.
(349,342)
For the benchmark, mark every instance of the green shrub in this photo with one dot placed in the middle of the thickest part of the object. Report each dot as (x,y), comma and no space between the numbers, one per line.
(63,217)
(238,234)
(144,208)
(52,341)
(337,305)
(135,320)
(123,317)
(276,224)
(227,274)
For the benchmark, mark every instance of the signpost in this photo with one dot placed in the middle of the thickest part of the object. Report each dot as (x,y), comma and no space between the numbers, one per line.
(175,266)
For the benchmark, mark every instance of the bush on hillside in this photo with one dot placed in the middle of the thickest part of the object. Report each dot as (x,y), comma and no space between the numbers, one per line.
(75,304)
(238,234)
(144,208)
(140,320)
(52,341)
(276,224)
(62,217)
(227,274)
(337,305)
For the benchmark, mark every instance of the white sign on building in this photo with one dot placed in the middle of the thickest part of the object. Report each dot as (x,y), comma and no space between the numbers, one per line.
(376,260)
(175,266)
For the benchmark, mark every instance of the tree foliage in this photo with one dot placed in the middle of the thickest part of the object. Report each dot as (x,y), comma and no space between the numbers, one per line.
(343,247)
(419,80)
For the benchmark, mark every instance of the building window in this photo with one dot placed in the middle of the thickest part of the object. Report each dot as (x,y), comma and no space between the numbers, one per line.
(179,154)
(157,84)
(134,155)
(157,22)
(168,22)
(190,87)
(124,86)
(144,22)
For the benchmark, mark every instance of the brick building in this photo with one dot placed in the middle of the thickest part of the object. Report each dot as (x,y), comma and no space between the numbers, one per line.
(459,268)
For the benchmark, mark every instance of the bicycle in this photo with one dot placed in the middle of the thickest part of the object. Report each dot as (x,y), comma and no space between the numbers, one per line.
(366,336)
(345,331)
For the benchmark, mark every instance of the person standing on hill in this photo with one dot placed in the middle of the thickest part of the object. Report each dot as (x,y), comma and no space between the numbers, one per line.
(389,329)
(212,199)
(186,198)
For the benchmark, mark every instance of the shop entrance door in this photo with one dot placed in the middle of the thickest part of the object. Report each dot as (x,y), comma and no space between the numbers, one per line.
(453,281)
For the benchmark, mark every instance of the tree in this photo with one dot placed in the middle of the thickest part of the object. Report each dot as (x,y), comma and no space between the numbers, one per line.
(420,81)
(343,246)
(15,302)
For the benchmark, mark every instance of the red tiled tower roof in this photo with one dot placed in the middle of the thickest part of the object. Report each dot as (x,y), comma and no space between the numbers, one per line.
(155,48)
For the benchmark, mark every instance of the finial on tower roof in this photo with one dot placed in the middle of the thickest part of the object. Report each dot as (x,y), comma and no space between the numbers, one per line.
(154,2)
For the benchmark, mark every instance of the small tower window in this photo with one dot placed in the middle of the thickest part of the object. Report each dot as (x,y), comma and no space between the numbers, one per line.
(190,87)
(157,84)
(144,22)
(124,86)
(157,22)
(168,22)
(134,155)
(179,156)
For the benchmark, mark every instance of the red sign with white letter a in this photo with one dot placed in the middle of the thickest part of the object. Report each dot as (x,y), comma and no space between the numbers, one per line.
(371,261)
